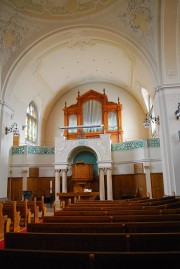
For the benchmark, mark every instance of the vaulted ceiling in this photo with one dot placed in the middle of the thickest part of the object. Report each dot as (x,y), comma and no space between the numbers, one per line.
(50,47)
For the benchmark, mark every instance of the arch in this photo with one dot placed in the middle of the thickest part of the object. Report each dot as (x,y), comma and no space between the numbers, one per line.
(52,41)
(87,157)
(65,150)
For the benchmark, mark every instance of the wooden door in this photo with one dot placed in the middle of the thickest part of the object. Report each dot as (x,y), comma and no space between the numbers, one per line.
(15,189)
(157,185)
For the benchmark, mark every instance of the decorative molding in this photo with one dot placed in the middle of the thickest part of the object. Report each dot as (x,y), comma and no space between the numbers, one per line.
(79,40)
(131,56)
(11,36)
(58,9)
(172,73)
(101,146)
(137,17)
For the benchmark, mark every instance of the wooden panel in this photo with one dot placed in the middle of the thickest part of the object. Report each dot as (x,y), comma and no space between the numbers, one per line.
(138,168)
(128,185)
(15,189)
(40,186)
(82,172)
(33,172)
(141,189)
(157,185)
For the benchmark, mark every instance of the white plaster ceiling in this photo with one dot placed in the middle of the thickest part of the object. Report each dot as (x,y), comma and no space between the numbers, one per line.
(76,54)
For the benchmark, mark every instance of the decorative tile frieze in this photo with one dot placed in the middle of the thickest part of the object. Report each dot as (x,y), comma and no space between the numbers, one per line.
(130,145)
(153,143)
(41,150)
(18,150)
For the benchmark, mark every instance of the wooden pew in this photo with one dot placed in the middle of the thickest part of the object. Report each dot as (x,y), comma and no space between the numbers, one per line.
(145,204)
(32,205)
(42,206)
(4,222)
(149,217)
(25,212)
(136,201)
(9,209)
(122,242)
(120,201)
(153,242)
(110,218)
(66,241)
(127,227)
(152,227)
(147,260)
(77,219)
(88,260)
(20,258)
(76,227)
(112,212)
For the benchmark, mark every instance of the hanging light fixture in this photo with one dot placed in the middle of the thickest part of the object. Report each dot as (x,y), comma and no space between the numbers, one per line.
(150,119)
(12,129)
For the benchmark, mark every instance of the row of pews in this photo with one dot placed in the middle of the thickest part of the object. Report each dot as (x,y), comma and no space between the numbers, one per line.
(101,234)
(15,215)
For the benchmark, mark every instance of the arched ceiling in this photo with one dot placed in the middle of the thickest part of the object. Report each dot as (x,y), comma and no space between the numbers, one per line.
(58,9)
(79,42)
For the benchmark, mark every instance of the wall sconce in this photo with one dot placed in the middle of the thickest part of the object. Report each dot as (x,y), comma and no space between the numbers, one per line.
(12,129)
(150,119)
(23,127)
(177,112)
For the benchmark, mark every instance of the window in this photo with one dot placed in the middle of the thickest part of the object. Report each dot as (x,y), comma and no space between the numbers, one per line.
(31,123)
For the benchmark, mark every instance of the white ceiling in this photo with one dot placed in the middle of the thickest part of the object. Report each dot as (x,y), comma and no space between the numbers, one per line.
(73,52)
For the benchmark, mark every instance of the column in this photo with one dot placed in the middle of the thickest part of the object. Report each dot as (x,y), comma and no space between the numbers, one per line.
(101,184)
(148,181)
(57,184)
(64,180)
(109,184)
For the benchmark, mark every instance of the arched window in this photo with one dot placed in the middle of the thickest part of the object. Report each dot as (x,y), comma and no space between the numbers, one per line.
(31,123)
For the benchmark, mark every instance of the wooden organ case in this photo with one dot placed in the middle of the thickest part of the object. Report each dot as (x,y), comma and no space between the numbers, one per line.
(108,109)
